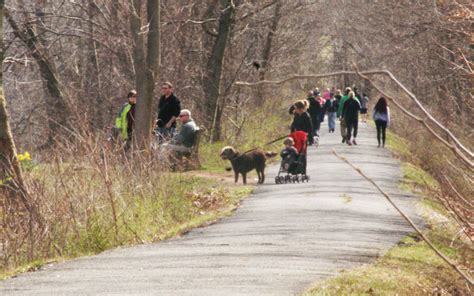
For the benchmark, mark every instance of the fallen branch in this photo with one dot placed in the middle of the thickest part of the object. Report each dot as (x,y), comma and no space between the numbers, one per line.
(412,224)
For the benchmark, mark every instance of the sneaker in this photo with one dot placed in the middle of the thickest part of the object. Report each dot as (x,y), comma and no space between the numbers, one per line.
(354,142)
(343,140)
(349,143)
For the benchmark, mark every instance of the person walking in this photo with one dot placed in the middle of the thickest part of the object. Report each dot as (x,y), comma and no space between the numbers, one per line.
(327,94)
(302,122)
(381,116)
(331,108)
(350,114)
(314,110)
(338,96)
(322,102)
(301,119)
(169,108)
(364,101)
(343,99)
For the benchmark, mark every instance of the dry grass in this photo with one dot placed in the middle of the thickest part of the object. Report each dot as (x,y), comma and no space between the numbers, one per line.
(91,199)
(411,267)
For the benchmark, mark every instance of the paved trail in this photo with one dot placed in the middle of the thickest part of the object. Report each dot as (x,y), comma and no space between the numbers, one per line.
(281,240)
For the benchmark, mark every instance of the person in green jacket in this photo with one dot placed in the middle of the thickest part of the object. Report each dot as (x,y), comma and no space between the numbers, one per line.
(344,98)
(126,117)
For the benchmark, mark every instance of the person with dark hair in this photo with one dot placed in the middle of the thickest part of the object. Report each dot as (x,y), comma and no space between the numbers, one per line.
(169,108)
(350,114)
(301,119)
(314,110)
(125,120)
(331,107)
(338,96)
(364,101)
(381,116)
(356,93)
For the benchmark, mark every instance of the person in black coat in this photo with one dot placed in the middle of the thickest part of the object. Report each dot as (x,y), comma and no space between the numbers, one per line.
(350,114)
(301,119)
(314,110)
(169,108)
(302,122)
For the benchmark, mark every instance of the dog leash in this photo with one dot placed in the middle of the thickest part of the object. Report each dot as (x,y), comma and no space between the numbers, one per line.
(266,144)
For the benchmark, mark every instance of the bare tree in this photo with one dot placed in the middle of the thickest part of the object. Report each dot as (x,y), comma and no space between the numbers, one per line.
(56,100)
(267,49)
(213,71)
(146,60)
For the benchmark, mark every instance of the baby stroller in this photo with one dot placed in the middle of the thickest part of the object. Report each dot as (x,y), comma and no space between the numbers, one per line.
(295,170)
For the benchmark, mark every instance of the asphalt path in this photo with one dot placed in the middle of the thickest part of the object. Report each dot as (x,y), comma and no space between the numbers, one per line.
(282,239)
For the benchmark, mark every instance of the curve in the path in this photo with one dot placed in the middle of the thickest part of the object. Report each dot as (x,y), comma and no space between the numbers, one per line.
(281,240)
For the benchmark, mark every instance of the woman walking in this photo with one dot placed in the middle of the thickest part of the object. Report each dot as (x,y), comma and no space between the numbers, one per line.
(350,112)
(314,110)
(381,116)
(301,119)
(331,107)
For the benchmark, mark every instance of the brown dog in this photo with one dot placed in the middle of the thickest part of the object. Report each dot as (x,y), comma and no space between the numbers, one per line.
(244,163)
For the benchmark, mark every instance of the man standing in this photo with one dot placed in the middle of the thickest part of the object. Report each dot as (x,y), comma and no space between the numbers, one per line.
(169,107)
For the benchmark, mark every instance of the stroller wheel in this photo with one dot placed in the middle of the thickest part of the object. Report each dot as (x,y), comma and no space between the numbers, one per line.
(277,180)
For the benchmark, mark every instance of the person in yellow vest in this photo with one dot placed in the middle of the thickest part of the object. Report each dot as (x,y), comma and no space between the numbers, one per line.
(125,121)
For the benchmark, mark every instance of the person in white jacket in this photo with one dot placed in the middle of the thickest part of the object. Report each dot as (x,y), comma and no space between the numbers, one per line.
(381,116)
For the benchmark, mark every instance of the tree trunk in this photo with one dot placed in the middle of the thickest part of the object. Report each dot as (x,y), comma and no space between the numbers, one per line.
(267,50)
(10,167)
(212,78)
(93,83)
(10,170)
(147,61)
(58,110)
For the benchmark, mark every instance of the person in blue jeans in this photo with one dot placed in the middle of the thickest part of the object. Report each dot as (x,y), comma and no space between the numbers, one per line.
(331,106)
(381,116)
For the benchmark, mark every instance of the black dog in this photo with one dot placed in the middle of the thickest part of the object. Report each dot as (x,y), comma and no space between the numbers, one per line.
(244,163)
